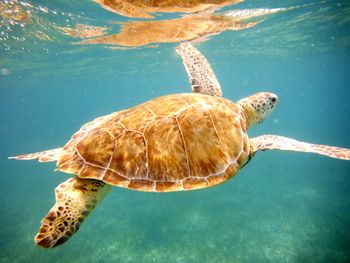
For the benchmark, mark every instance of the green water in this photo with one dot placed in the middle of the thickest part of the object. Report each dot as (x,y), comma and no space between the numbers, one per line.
(282,207)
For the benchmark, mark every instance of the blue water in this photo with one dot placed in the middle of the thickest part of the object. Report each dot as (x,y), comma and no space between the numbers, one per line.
(282,207)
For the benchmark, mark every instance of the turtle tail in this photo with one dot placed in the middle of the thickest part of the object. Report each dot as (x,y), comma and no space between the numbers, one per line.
(75,199)
(45,156)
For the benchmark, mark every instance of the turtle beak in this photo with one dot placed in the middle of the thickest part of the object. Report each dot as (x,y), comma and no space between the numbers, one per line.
(273,98)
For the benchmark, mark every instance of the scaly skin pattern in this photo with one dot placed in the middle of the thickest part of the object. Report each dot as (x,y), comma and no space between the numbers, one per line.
(201,75)
(258,107)
(75,199)
(176,142)
(276,142)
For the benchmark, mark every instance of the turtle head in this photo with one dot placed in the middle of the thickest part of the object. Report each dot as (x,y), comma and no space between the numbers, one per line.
(258,106)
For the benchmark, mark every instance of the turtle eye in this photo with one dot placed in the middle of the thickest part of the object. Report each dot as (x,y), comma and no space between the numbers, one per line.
(273,99)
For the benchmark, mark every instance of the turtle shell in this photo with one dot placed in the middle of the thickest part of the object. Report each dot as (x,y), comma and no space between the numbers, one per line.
(171,143)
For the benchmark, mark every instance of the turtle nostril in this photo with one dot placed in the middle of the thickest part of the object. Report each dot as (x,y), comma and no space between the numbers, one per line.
(273,99)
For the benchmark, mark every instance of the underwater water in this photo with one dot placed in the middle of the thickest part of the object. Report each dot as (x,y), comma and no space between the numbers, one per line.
(282,207)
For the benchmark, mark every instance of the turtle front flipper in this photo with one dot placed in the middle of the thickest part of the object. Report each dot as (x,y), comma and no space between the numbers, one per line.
(75,199)
(45,156)
(202,77)
(272,142)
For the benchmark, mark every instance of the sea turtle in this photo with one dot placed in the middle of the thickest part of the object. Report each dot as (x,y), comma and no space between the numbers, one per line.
(171,143)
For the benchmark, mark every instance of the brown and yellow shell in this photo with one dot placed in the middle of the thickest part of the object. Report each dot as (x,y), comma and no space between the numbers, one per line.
(171,143)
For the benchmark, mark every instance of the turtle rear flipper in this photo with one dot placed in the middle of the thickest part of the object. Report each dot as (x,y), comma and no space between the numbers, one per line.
(272,142)
(75,199)
(45,156)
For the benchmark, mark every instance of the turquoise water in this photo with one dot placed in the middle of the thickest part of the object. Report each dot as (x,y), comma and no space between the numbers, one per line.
(282,207)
